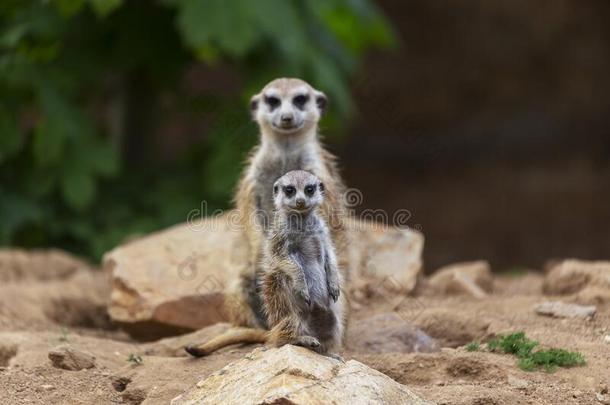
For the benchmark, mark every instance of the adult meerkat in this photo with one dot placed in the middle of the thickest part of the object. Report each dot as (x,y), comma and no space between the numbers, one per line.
(287,112)
(300,279)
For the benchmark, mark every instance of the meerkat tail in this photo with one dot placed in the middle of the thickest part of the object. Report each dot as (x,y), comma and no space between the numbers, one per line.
(230,337)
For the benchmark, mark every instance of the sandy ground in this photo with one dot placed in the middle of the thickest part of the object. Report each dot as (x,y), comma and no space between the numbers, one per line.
(38,314)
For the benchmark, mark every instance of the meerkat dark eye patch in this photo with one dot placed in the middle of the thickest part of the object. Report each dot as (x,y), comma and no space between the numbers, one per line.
(272,102)
(300,101)
(290,191)
(310,190)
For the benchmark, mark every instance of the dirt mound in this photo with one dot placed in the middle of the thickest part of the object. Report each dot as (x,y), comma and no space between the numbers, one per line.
(51,290)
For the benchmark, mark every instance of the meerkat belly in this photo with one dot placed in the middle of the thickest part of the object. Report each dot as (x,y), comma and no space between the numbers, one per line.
(320,319)
(315,278)
(309,255)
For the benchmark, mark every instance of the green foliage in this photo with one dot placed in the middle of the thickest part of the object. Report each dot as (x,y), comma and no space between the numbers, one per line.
(82,90)
(135,359)
(529,360)
(551,359)
(473,346)
(515,343)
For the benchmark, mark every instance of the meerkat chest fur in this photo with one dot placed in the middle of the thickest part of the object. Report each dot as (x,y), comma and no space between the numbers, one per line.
(306,242)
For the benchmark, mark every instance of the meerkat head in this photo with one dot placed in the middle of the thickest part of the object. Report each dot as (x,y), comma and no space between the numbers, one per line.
(298,191)
(288,106)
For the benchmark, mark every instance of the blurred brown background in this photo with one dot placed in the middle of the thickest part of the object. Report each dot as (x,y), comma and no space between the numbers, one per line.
(490,123)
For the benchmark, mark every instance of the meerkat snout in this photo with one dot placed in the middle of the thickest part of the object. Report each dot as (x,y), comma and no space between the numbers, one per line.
(298,191)
(288,106)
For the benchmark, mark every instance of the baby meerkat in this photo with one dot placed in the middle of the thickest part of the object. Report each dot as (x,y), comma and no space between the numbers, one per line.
(300,279)
(301,282)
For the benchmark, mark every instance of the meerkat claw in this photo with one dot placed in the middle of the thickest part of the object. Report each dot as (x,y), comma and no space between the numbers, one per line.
(304,294)
(334,293)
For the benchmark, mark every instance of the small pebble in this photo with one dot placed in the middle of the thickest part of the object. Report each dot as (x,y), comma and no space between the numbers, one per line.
(602,398)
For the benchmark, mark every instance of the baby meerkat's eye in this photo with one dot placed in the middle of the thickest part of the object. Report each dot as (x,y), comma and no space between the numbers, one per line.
(300,100)
(310,190)
(272,102)
(289,191)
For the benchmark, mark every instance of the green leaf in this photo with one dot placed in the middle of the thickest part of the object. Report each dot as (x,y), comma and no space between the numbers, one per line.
(232,28)
(77,188)
(280,21)
(12,35)
(16,211)
(104,7)
(99,155)
(68,8)
(55,127)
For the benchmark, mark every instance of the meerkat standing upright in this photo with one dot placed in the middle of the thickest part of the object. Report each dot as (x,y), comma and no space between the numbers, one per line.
(301,283)
(287,112)
(300,279)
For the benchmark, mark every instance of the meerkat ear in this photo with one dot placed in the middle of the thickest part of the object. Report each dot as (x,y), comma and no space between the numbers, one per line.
(321,101)
(275,189)
(254,101)
(321,187)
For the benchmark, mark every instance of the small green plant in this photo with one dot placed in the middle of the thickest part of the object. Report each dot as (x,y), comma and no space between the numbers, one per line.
(551,359)
(473,346)
(529,360)
(135,359)
(63,337)
(515,343)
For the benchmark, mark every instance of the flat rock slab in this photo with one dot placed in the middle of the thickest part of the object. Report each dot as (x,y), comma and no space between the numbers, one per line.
(388,333)
(294,375)
(175,280)
(560,309)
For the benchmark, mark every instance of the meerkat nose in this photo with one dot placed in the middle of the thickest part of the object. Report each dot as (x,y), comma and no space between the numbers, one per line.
(300,202)
(287,118)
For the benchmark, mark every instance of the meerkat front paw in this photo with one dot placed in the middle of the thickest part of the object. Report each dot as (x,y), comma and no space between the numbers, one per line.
(307,341)
(334,291)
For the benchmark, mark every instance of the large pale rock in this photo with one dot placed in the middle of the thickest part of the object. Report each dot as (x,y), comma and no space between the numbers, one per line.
(572,276)
(388,257)
(294,375)
(175,280)
(471,278)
